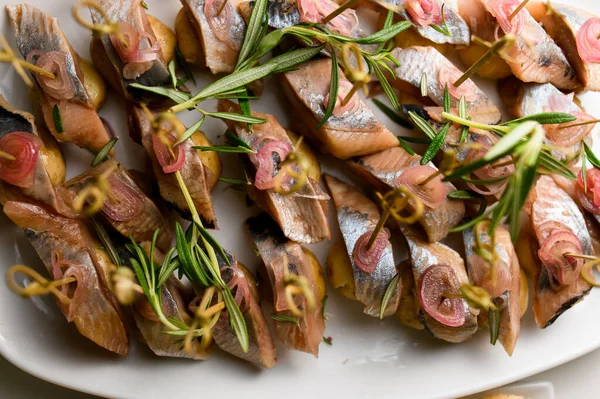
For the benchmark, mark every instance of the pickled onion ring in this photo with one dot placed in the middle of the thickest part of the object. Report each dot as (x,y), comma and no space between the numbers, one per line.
(220,24)
(424,12)
(432,194)
(73,269)
(164,157)
(367,259)
(351,106)
(588,45)
(502,10)
(589,199)
(128,44)
(315,10)
(448,75)
(488,172)
(128,204)
(437,282)
(55,62)
(561,270)
(266,164)
(25,148)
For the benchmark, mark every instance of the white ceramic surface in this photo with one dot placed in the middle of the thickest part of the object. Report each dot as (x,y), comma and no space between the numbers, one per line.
(369,358)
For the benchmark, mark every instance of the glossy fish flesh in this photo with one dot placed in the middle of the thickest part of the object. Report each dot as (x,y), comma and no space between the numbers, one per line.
(353,130)
(534,57)
(417,62)
(459,30)
(136,215)
(551,210)
(357,215)
(93,309)
(524,99)
(121,74)
(261,351)
(274,249)
(194,174)
(504,287)
(43,190)
(564,24)
(221,35)
(303,215)
(382,171)
(423,255)
(41,41)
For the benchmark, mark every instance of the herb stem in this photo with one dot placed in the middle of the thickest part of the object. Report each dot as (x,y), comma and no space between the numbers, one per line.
(340,10)
(518,9)
(430,178)
(473,124)
(384,217)
(493,50)
(590,122)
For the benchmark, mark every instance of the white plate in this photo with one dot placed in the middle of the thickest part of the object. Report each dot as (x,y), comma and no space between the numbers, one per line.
(369,358)
(531,390)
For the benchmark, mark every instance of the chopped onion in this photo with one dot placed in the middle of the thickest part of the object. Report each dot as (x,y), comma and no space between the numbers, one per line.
(447,76)
(55,62)
(73,269)
(24,147)
(163,155)
(438,283)
(424,12)
(128,202)
(367,259)
(220,24)
(589,199)
(351,106)
(588,45)
(269,154)
(561,270)
(315,10)
(431,194)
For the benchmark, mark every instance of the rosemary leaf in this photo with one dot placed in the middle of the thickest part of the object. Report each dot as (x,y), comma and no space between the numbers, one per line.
(462,106)
(385,34)
(416,140)
(464,133)
(190,267)
(143,4)
(424,85)
(213,243)
(435,145)
(389,20)
(393,115)
(443,29)
(106,242)
(494,323)
(467,195)
(334,85)
(235,182)
(57,118)
(584,174)
(328,340)
(173,73)
(233,139)
(230,116)
(447,101)
(387,296)
(104,151)
(189,132)
(423,125)
(167,268)
(177,96)
(545,118)
(184,65)
(253,31)
(404,145)
(386,86)
(591,156)
(224,149)
(285,319)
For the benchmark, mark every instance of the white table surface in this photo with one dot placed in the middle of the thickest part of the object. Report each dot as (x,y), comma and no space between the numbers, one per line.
(574,380)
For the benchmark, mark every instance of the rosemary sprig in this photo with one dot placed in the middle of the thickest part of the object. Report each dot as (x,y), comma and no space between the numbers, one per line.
(393,115)
(286,319)
(387,296)
(443,28)
(590,156)
(57,119)
(104,151)
(436,144)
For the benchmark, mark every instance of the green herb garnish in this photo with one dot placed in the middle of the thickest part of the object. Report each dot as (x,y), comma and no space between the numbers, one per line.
(391,288)
(285,319)
(56,116)
(102,155)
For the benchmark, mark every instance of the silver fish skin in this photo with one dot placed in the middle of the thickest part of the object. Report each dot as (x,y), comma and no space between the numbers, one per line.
(459,30)
(43,190)
(355,133)
(133,13)
(358,215)
(37,33)
(194,174)
(221,46)
(424,254)
(142,226)
(98,315)
(419,61)
(261,351)
(535,57)
(173,306)
(283,13)
(563,23)
(506,290)
(382,171)
(303,215)
(274,248)
(523,99)
(548,203)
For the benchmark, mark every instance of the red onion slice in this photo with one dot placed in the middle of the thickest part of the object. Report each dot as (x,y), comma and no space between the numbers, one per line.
(480,274)
(488,172)
(561,270)
(437,282)
(55,62)
(163,155)
(432,194)
(25,148)
(220,24)
(128,203)
(315,10)
(589,199)
(366,260)
(351,106)
(571,135)
(266,164)
(448,75)
(424,12)
(73,269)
(588,45)
(240,288)
(127,44)
(502,10)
